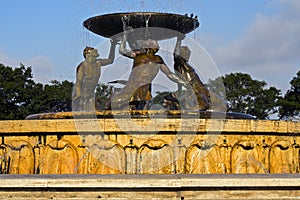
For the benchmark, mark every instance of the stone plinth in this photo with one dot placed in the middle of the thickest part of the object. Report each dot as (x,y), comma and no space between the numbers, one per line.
(150,187)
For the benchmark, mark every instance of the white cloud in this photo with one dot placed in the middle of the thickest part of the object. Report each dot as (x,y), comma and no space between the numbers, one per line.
(7,60)
(269,47)
(42,67)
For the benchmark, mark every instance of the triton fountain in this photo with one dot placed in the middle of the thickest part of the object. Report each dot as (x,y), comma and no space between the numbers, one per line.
(139,141)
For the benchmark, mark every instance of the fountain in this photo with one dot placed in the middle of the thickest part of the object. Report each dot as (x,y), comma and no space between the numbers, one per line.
(157,142)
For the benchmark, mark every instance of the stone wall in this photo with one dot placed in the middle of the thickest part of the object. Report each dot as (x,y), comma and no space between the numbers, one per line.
(168,146)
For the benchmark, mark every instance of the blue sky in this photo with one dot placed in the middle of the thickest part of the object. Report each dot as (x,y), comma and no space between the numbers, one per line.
(259,37)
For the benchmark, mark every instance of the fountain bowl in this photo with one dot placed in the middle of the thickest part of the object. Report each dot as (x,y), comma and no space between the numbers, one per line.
(109,25)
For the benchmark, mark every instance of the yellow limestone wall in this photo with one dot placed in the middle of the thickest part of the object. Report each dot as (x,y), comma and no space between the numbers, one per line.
(158,146)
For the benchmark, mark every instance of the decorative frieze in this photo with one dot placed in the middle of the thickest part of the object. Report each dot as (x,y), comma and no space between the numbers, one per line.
(55,147)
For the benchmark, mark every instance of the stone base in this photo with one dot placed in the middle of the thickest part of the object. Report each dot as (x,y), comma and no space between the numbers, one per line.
(150,187)
(149,146)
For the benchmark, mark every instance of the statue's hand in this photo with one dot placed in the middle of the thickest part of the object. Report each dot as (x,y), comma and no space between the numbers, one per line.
(129,29)
(180,36)
(114,39)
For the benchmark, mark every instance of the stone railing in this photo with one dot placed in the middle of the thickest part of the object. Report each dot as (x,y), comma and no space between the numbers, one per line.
(157,146)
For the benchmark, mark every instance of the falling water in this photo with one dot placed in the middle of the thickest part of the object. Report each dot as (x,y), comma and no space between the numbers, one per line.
(125,20)
(143,5)
(195,25)
(147,18)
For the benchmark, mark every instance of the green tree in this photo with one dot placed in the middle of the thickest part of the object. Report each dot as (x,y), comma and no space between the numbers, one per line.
(247,95)
(53,97)
(56,97)
(16,87)
(290,104)
(20,96)
(102,96)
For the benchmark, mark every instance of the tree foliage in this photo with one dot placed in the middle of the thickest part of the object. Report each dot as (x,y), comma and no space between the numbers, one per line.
(248,96)
(103,95)
(21,96)
(58,96)
(15,91)
(290,104)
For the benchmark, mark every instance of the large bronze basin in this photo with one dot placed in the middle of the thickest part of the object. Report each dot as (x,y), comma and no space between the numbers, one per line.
(109,25)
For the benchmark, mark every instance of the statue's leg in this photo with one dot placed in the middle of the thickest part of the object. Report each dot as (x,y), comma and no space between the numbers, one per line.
(121,99)
(203,101)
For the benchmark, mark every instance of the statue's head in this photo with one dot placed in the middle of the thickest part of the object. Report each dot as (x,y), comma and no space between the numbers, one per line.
(90,51)
(144,45)
(185,53)
(152,45)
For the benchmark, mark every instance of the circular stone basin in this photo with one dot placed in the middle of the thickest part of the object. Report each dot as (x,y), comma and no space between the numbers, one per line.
(143,114)
(109,25)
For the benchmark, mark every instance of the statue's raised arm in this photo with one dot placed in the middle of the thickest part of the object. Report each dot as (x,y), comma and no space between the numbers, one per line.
(111,55)
(126,52)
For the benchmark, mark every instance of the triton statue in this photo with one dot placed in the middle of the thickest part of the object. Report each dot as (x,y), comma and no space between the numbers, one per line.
(205,98)
(87,76)
(137,91)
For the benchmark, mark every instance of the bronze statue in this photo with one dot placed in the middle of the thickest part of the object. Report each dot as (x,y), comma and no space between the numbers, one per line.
(87,76)
(205,99)
(186,71)
(137,92)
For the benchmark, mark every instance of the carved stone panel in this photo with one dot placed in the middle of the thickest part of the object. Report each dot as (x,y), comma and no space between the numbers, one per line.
(204,158)
(17,157)
(59,157)
(155,157)
(281,157)
(245,158)
(106,157)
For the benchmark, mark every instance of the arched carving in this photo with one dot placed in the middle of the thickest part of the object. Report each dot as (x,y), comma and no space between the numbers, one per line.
(60,158)
(204,158)
(245,158)
(155,157)
(106,157)
(17,157)
(281,157)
